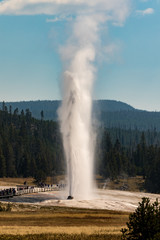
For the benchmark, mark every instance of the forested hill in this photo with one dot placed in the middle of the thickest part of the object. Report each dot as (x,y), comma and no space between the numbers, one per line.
(32,147)
(111,106)
(141,120)
(50,107)
(109,113)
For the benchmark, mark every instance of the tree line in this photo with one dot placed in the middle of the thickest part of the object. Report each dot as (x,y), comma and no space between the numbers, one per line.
(111,114)
(141,159)
(31,147)
(130,119)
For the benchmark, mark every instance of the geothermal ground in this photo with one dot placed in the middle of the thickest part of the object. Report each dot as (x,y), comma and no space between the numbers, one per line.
(104,199)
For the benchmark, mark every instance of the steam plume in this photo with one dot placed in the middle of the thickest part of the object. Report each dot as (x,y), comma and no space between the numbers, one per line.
(76,110)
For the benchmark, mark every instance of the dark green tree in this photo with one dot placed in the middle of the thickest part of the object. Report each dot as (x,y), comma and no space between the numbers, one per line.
(40,177)
(144,223)
(152,181)
(42,115)
(2,165)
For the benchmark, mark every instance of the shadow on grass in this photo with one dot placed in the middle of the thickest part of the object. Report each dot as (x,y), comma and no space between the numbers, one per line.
(60,237)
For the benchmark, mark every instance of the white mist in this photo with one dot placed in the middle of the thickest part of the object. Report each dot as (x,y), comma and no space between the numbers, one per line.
(75,114)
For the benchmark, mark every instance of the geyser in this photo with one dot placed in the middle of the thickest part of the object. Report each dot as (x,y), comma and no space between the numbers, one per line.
(76,110)
(76,126)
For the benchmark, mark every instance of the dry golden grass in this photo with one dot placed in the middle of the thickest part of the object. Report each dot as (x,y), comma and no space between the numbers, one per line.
(21,230)
(29,220)
(15,181)
(133,184)
(36,219)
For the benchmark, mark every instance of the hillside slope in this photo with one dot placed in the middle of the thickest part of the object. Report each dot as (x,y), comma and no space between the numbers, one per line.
(50,107)
(109,113)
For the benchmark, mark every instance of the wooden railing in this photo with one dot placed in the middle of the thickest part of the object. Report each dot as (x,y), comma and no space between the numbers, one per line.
(27,191)
(34,190)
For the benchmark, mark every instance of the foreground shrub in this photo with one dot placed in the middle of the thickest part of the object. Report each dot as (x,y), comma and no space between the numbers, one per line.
(5,208)
(144,223)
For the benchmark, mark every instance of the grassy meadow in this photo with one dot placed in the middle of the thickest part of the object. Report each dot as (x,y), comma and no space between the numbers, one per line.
(35,222)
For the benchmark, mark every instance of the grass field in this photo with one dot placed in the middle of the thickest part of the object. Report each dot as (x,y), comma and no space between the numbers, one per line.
(34,222)
(15,181)
(61,237)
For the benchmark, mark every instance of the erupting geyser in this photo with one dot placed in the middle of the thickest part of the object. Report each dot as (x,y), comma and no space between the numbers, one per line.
(76,110)
(76,127)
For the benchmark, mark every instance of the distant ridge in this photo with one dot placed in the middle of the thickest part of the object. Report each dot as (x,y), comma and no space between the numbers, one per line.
(112,106)
(110,113)
(50,107)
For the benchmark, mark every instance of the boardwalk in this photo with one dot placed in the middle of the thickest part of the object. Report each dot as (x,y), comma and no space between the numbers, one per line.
(11,192)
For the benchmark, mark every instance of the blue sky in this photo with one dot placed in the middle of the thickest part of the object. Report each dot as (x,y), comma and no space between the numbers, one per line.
(31,67)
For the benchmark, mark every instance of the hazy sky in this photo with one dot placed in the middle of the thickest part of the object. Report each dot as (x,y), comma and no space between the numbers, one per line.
(128,52)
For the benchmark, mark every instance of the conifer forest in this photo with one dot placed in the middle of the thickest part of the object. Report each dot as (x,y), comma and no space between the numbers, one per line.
(30,147)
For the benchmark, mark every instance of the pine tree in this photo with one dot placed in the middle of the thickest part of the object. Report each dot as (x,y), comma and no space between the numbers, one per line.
(2,165)
(144,223)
